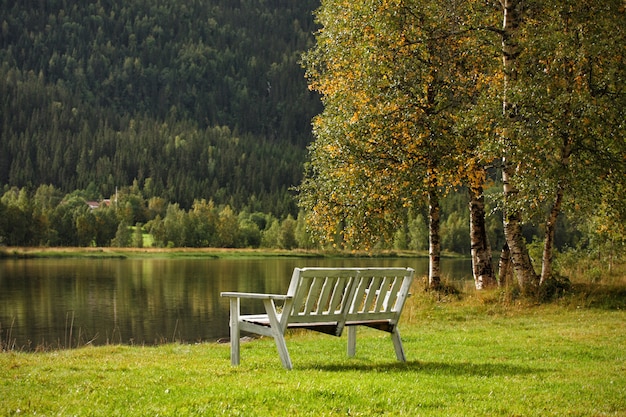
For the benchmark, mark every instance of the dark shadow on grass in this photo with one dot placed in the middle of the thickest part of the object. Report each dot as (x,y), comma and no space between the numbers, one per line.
(440,368)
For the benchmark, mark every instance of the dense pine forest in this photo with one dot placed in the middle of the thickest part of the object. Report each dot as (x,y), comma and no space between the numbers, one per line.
(186,100)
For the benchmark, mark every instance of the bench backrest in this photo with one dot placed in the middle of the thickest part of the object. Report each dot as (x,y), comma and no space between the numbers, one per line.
(326,295)
(380,293)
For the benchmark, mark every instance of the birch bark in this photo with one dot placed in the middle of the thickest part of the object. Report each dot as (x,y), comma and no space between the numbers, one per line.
(434,246)
(482,267)
(504,266)
(522,264)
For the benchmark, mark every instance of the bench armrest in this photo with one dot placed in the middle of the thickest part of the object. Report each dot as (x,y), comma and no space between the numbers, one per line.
(257,296)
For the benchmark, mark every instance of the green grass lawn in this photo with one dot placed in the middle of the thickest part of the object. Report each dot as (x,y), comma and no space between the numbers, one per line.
(467,357)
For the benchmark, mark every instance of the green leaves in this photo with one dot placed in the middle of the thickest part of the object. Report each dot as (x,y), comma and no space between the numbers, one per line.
(413,96)
(569,100)
(394,76)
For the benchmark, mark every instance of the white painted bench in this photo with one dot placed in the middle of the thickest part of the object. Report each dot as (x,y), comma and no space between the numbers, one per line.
(326,300)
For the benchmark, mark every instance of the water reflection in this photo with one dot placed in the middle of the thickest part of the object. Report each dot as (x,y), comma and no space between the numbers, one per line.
(67,303)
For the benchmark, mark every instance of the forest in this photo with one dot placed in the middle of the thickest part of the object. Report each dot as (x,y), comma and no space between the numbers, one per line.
(188,119)
(189,99)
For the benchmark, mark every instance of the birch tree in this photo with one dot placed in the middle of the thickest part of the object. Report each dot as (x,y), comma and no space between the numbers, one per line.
(515,248)
(564,133)
(393,76)
(576,67)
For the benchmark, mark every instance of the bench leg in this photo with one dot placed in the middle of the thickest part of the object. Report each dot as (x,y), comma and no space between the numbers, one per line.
(234,331)
(395,338)
(279,338)
(351,341)
(397,345)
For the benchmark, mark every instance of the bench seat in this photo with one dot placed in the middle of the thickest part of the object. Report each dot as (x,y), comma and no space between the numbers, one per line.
(326,300)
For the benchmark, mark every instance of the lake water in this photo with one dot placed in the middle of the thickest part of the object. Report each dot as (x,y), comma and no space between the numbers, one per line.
(64,303)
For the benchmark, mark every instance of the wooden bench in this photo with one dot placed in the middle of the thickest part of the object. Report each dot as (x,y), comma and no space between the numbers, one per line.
(326,300)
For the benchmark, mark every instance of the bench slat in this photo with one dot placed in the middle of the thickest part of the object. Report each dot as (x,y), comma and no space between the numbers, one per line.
(323,304)
(383,293)
(339,293)
(357,300)
(301,292)
(313,297)
(372,294)
(392,296)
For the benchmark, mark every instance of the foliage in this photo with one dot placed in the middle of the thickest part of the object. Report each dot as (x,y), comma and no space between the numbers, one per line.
(45,218)
(553,287)
(564,140)
(180,110)
(569,98)
(413,97)
(392,87)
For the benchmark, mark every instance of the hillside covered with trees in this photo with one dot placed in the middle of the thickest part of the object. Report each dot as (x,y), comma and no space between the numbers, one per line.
(190,118)
(185,99)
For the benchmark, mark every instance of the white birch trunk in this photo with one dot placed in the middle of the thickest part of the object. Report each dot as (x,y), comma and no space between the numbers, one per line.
(434,245)
(504,266)
(548,243)
(522,264)
(520,258)
(482,266)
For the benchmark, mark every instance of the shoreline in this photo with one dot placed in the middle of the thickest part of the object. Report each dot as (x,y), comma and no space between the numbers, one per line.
(123,253)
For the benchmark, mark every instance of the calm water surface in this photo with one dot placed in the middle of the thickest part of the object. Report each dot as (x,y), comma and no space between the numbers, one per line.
(72,302)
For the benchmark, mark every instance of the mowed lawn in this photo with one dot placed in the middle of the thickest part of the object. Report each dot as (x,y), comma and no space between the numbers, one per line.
(465,358)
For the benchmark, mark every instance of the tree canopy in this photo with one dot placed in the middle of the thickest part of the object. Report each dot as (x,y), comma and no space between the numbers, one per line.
(391,94)
(564,140)
(413,99)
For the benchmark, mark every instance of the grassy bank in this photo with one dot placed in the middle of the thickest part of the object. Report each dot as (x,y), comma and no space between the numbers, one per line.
(469,357)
